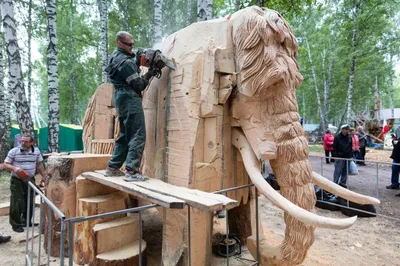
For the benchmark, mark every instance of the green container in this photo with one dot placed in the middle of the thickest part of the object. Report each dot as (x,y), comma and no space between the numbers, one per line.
(43,138)
(15,131)
(70,138)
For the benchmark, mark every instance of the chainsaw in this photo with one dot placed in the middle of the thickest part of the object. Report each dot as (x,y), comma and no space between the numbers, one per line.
(155,60)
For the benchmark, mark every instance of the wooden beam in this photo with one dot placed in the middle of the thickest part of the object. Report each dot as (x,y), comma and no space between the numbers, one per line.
(198,199)
(119,184)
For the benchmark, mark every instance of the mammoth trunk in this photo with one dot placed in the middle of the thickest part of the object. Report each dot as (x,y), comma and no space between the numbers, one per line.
(293,172)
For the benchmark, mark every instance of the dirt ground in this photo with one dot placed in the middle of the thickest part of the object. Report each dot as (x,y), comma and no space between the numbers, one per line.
(371,241)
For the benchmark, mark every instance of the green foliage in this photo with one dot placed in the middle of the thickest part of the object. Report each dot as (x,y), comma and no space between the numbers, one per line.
(376,40)
(379,35)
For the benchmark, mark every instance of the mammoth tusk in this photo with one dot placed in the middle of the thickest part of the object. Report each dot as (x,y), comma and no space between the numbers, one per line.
(342,192)
(252,167)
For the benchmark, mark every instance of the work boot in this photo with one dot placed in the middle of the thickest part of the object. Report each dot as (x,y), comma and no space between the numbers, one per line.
(4,239)
(113,172)
(131,176)
(18,229)
(392,187)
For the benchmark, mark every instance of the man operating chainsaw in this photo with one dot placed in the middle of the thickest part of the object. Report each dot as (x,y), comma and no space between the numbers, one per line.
(124,73)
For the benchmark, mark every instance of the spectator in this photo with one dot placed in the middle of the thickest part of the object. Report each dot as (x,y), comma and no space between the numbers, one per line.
(328,145)
(23,159)
(395,167)
(342,148)
(355,143)
(362,137)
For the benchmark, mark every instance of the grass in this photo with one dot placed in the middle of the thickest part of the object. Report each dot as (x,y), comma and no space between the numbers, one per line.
(315,147)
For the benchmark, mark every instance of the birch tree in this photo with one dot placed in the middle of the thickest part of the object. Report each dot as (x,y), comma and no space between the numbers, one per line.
(237,5)
(188,12)
(16,82)
(350,87)
(52,70)
(315,85)
(30,52)
(157,36)
(72,79)
(4,108)
(103,11)
(204,10)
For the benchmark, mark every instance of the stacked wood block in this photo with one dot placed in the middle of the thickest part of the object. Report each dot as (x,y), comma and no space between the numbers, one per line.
(111,240)
(61,190)
(101,124)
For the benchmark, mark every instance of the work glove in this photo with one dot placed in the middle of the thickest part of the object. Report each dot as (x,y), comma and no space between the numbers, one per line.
(138,56)
(150,73)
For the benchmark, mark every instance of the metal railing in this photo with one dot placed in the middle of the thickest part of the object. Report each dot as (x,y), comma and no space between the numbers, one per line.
(375,165)
(72,221)
(31,216)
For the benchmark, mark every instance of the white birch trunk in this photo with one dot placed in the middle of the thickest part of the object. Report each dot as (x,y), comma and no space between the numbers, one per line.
(103,10)
(328,82)
(188,12)
(315,85)
(126,16)
(4,109)
(30,53)
(157,21)
(74,118)
(391,89)
(237,5)
(204,10)
(377,102)
(16,82)
(52,70)
(353,62)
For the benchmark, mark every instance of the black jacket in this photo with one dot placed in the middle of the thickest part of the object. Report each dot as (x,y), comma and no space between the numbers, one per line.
(396,153)
(124,73)
(342,146)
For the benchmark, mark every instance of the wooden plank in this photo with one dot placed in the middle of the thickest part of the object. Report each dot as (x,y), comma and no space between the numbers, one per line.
(196,198)
(119,184)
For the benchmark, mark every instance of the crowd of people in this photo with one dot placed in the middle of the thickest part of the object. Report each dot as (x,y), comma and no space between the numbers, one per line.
(349,146)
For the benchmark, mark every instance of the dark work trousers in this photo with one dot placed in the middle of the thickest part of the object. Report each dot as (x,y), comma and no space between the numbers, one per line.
(341,172)
(395,174)
(129,146)
(327,156)
(361,156)
(19,202)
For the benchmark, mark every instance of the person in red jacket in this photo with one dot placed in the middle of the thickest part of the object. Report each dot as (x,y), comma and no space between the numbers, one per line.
(328,145)
(355,143)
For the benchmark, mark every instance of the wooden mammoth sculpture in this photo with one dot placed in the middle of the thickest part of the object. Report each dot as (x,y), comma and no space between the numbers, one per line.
(229,105)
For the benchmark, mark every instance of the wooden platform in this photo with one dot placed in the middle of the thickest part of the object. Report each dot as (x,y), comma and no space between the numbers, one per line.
(166,195)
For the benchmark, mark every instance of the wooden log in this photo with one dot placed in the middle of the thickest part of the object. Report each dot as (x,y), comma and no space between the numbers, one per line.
(60,189)
(84,252)
(125,256)
(115,234)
